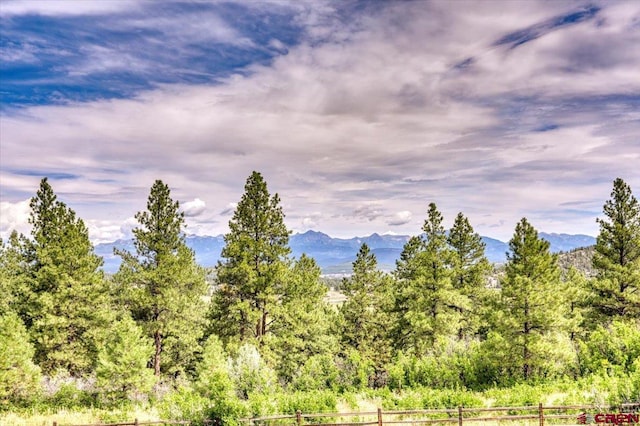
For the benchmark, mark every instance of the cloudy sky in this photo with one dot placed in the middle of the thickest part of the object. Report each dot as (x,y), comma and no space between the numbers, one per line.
(358,113)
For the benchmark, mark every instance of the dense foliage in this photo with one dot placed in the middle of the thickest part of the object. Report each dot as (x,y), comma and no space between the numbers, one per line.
(432,333)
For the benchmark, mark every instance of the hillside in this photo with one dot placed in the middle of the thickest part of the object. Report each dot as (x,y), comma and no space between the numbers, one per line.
(580,258)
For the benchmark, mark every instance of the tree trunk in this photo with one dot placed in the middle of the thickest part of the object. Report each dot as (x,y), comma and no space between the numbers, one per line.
(156,357)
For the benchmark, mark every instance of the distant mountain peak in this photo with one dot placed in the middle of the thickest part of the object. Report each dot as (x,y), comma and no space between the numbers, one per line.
(337,254)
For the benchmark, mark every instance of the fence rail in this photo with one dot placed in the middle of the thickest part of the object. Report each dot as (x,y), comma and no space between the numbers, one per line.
(133,423)
(380,417)
(538,414)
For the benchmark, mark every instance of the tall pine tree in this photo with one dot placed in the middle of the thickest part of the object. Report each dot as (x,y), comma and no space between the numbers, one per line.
(162,285)
(302,320)
(470,269)
(366,311)
(68,308)
(253,267)
(428,305)
(531,306)
(617,256)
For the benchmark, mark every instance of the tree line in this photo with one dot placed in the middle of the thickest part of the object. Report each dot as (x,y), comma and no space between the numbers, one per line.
(266,325)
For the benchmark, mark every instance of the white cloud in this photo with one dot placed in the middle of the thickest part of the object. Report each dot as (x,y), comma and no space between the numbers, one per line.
(373,121)
(126,228)
(194,208)
(64,7)
(400,218)
(14,216)
(104,231)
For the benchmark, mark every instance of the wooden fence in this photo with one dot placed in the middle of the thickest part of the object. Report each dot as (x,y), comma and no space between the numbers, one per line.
(564,414)
(134,423)
(567,414)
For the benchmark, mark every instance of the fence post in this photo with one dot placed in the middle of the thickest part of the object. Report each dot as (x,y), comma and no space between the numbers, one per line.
(298,417)
(460,415)
(55,423)
(541,414)
(135,422)
(379,416)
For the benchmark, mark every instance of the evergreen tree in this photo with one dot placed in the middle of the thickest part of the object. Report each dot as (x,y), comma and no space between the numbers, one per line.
(617,256)
(531,306)
(254,266)
(470,269)
(67,307)
(575,289)
(19,376)
(13,270)
(404,274)
(366,311)
(302,320)
(215,384)
(431,303)
(122,362)
(162,284)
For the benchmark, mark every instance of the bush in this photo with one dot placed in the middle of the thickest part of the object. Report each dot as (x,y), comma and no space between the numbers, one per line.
(308,402)
(354,371)
(122,371)
(214,383)
(288,403)
(611,350)
(250,374)
(425,398)
(63,391)
(19,376)
(183,404)
(318,372)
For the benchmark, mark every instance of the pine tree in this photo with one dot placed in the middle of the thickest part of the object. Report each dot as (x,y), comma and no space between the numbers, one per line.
(302,320)
(470,269)
(162,284)
(19,376)
(254,266)
(122,362)
(404,274)
(428,303)
(575,289)
(531,306)
(617,256)
(13,269)
(68,308)
(366,311)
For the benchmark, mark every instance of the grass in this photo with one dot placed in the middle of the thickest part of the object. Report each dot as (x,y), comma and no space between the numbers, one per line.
(77,417)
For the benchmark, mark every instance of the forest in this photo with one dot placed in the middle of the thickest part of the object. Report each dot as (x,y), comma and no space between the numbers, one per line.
(260,337)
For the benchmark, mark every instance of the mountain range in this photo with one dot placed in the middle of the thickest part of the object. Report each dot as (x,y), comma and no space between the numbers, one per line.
(335,255)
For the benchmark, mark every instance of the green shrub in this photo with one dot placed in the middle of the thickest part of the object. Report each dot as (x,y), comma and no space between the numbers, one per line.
(250,374)
(611,350)
(354,371)
(19,376)
(183,404)
(122,371)
(318,372)
(187,404)
(321,401)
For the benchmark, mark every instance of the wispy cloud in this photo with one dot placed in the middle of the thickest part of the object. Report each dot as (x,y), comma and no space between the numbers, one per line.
(64,7)
(358,123)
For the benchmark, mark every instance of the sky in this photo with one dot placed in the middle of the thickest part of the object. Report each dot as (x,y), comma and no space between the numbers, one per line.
(357,113)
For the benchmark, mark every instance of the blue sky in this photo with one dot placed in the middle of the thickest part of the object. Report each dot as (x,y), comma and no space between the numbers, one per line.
(359,114)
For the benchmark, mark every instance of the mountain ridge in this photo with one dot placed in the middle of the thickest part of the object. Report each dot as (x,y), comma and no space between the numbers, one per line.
(335,255)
